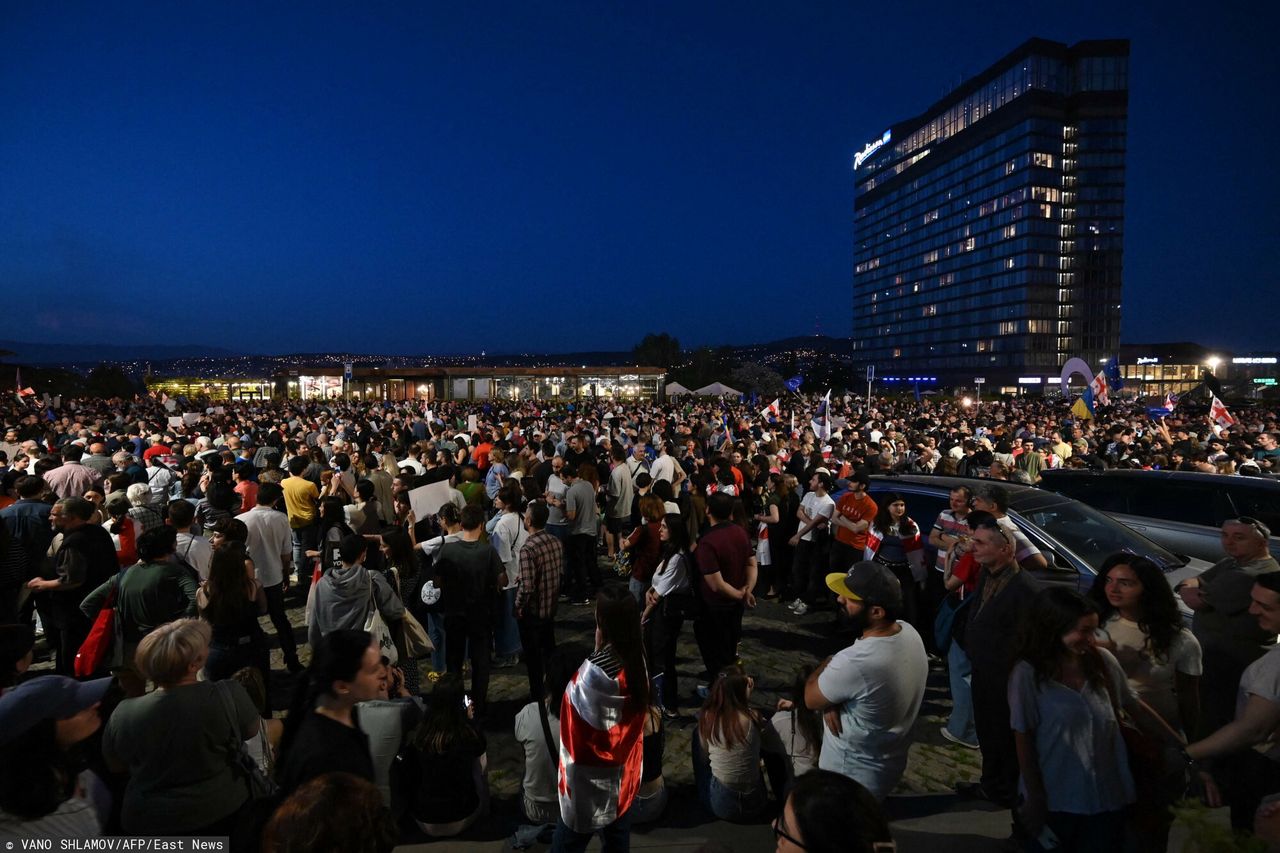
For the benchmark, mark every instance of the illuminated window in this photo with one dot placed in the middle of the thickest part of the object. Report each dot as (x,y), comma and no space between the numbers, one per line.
(1046,194)
(897,352)
(931,216)
(1009,231)
(1009,327)
(1010,167)
(969,244)
(1009,263)
(929,257)
(1040,158)
(930,311)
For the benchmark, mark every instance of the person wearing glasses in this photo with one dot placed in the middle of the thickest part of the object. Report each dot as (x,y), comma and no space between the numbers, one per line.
(1004,591)
(829,813)
(1230,637)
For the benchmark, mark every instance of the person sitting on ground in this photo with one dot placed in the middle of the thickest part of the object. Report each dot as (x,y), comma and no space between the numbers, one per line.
(726,749)
(830,813)
(445,763)
(537,729)
(799,730)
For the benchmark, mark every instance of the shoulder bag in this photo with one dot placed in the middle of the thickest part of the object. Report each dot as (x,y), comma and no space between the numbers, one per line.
(377,626)
(242,763)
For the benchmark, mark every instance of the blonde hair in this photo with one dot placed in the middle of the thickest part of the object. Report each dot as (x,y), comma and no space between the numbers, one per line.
(165,655)
(497,456)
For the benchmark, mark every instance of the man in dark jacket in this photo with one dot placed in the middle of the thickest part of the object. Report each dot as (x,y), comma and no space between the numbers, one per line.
(467,572)
(1004,591)
(85,559)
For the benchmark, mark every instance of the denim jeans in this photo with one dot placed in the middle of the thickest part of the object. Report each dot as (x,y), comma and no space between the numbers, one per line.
(960,723)
(719,799)
(304,539)
(506,635)
(435,630)
(615,838)
(637,590)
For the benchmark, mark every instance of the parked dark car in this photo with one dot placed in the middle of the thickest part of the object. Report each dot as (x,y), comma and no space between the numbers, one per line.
(1181,510)
(1074,537)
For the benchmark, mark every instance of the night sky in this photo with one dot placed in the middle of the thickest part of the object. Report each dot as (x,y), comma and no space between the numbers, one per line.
(444,178)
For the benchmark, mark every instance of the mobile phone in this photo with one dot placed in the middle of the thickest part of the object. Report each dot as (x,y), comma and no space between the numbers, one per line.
(466,701)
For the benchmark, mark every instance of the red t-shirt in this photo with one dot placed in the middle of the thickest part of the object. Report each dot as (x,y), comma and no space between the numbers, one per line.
(726,549)
(966,569)
(855,510)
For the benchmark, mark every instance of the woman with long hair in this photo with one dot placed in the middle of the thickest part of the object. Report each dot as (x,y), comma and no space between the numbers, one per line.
(333,528)
(444,769)
(1142,627)
(726,749)
(231,601)
(667,603)
(321,733)
(645,546)
(894,540)
(507,533)
(1064,696)
(602,731)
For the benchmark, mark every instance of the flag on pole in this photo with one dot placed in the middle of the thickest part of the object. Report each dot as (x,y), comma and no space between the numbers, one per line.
(822,418)
(1112,371)
(793,384)
(793,424)
(1219,413)
(1170,401)
(1100,389)
(1081,409)
(22,391)
(772,410)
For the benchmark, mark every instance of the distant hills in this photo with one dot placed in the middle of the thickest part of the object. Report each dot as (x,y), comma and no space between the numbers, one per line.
(26,352)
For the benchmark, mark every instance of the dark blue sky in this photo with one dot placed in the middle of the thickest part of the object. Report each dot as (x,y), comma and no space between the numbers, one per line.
(432,177)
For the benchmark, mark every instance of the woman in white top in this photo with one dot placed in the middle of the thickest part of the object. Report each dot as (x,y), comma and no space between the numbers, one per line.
(507,533)
(1142,627)
(667,602)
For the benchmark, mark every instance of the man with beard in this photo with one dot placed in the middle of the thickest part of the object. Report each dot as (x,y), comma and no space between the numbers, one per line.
(85,559)
(870,693)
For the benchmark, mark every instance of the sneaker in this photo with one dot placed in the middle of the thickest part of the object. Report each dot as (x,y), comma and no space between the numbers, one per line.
(800,609)
(946,733)
(702,691)
(433,676)
(797,603)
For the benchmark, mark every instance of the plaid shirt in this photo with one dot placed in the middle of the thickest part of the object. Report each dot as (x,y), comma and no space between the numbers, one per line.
(541,564)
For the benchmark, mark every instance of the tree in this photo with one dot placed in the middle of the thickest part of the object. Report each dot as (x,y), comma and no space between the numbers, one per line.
(657,351)
(753,376)
(109,381)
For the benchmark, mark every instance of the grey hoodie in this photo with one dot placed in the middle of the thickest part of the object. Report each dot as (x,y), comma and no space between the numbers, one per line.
(342,601)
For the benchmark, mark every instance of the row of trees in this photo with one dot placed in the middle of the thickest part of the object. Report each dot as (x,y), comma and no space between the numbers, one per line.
(704,365)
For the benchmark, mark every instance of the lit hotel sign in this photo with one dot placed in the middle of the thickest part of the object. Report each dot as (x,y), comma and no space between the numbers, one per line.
(1148,360)
(1249,360)
(869,149)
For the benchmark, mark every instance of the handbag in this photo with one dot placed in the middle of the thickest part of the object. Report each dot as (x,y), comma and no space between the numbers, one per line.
(952,615)
(103,648)
(1144,753)
(377,626)
(242,763)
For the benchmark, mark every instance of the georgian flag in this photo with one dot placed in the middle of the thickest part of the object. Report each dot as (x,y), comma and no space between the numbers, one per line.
(772,410)
(1100,389)
(1219,413)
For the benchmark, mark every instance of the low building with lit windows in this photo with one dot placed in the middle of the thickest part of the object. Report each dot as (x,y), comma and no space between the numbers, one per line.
(429,384)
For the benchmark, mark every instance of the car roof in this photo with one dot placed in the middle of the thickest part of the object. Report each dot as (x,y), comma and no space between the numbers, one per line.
(1021,498)
(1233,481)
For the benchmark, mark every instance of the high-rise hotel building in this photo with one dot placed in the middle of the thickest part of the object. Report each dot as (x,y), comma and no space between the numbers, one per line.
(989,229)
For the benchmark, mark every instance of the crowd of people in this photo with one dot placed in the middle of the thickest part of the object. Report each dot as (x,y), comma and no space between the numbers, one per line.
(145,540)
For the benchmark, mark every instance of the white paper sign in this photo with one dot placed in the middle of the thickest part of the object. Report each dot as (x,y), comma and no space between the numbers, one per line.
(175,421)
(190,418)
(473,424)
(171,405)
(425,501)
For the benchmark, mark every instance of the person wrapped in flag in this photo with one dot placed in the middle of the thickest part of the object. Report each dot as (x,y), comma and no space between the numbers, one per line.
(602,731)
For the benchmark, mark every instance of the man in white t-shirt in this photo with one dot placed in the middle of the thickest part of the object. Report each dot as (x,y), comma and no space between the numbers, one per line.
(812,541)
(870,693)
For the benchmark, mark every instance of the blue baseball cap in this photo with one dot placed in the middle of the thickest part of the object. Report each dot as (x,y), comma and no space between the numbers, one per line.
(47,697)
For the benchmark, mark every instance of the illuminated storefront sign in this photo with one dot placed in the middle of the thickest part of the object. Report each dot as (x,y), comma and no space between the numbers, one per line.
(1254,360)
(1030,380)
(1148,360)
(869,149)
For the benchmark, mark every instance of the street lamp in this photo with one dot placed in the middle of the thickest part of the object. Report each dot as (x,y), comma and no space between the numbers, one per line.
(1213,361)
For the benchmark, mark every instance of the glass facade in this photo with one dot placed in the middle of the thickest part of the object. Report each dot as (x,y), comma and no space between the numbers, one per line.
(989,230)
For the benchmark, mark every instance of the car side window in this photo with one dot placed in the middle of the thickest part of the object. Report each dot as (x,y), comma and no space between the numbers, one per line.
(1172,501)
(1104,494)
(1257,504)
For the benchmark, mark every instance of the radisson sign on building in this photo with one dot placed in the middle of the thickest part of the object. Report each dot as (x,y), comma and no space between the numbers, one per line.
(870,148)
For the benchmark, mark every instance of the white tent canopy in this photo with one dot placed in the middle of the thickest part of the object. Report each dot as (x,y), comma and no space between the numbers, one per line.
(716,389)
(675,389)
